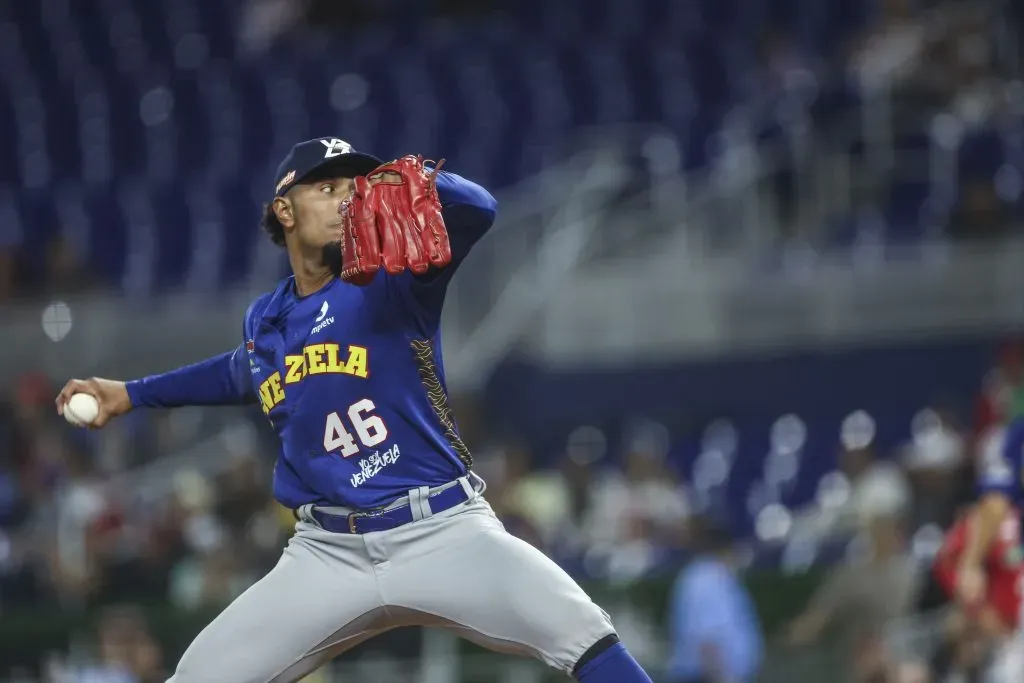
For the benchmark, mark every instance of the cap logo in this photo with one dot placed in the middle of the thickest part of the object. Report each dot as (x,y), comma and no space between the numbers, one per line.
(288,178)
(335,147)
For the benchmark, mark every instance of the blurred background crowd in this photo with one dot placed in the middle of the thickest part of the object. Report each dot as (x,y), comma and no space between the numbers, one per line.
(755,286)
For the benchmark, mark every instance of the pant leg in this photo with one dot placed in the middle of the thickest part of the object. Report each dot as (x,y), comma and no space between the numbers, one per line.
(461,570)
(320,599)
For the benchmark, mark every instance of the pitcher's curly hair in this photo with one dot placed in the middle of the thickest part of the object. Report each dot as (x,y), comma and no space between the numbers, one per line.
(272,225)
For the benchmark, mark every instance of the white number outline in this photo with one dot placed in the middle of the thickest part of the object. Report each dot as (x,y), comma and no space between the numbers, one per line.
(370,429)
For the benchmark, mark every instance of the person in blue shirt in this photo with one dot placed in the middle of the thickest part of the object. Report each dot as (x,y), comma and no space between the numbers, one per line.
(715,633)
(392,527)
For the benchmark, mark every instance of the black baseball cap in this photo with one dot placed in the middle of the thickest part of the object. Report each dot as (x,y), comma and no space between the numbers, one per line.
(317,154)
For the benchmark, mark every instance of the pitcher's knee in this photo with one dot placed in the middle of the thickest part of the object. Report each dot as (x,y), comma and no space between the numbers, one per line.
(608,661)
(593,632)
(594,651)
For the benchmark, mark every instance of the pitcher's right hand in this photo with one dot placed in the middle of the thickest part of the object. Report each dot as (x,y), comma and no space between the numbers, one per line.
(111,395)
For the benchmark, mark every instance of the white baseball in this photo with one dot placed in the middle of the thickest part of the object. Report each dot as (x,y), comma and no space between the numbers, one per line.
(81,410)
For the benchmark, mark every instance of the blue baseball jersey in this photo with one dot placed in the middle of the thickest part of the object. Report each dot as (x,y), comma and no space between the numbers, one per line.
(1001,469)
(350,378)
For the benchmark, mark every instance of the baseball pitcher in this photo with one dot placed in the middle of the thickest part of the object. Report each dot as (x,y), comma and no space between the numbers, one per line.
(344,359)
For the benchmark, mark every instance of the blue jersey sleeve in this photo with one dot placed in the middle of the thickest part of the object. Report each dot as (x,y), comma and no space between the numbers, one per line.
(1000,469)
(221,380)
(469,211)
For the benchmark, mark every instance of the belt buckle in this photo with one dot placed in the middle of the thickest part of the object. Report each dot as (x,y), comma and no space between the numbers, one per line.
(352,517)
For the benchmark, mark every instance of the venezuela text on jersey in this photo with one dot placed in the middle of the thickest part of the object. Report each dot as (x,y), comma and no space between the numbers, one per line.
(315,359)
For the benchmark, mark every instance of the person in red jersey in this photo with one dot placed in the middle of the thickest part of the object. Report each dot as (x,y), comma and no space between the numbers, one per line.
(1004,568)
(997,616)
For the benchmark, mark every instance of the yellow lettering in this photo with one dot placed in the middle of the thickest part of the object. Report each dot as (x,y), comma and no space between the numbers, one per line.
(296,369)
(314,359)
(276,391)
(356,364)
(333,364)
(266,400)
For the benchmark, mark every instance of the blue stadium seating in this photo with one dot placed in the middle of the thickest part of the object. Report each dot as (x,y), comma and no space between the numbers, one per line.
(147,110)
(750,396)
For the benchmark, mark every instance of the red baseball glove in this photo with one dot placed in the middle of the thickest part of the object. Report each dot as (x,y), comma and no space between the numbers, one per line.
(393,221)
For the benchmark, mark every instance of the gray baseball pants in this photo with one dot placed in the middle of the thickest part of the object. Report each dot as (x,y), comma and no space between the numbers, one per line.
(458,570)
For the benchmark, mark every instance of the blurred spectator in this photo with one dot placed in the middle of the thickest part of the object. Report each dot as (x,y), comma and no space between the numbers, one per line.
(980,215)
(783,67)
(12,499)
(964,652)
(861,598)
(978,92)
(242,492)
(80,506)
(716,636)
(579,477)
(65,275)
(623,521)
(530,501)
(877,487)
(194,504)
(136,559)
(889,55)
(646,492)
(8,273)
(654,509)
(264,21)
(995,402)
(126,652)
(212,577)
(937,466)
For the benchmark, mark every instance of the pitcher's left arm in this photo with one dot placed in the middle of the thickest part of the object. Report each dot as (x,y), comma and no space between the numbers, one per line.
(416,223)
(468,211)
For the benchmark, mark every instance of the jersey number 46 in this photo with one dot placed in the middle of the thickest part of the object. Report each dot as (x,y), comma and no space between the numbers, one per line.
(369,429)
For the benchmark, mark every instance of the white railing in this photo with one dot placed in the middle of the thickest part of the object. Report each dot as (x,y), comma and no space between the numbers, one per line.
(479,337)
(672,304)
(668,301)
